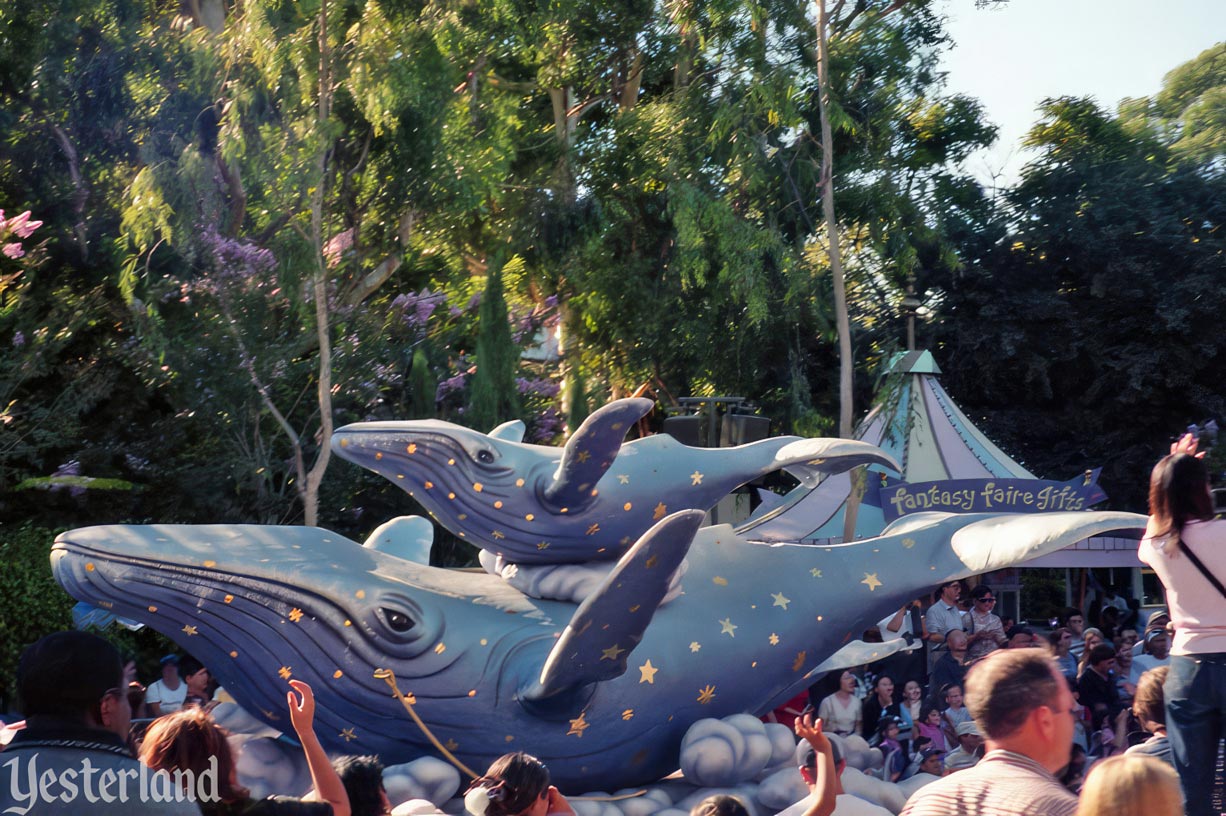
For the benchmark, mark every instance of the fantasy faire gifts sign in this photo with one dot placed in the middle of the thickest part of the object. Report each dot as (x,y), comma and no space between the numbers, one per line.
(898,498)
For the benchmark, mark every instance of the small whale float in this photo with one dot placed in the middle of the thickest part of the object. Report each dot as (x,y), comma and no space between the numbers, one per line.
(602,691)
(589,501)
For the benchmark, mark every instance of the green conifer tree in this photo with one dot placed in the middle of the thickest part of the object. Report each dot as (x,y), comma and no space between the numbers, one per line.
(422,387)
(494,398)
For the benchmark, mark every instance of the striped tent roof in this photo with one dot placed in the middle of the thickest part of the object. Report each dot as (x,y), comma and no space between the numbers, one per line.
(915,421)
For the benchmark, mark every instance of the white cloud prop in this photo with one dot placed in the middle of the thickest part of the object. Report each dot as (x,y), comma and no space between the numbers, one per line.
(427,778)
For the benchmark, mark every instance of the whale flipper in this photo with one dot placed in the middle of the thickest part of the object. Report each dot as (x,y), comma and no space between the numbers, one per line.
(512,431)
(810,459)
(590,451)
(608,625)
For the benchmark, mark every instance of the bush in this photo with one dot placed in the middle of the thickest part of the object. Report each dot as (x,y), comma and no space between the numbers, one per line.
(33,605)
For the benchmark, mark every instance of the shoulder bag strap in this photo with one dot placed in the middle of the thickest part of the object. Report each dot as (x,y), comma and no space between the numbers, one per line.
(1196,562)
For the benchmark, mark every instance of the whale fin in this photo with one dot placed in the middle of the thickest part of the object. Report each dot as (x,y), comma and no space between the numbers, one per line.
(606,627)
(407,537)
(591,450)
(810,459)
(512,431)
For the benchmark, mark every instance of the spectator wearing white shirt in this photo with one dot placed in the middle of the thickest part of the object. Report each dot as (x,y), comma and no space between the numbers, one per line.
(166,696)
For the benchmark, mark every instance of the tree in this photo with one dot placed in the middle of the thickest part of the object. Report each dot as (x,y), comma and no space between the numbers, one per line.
(1077,334)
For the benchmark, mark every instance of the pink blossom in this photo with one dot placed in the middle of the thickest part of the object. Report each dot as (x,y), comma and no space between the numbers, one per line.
(22,226)
(13,250)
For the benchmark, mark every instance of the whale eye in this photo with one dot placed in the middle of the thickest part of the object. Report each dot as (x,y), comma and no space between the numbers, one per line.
(485,457)
(397,621)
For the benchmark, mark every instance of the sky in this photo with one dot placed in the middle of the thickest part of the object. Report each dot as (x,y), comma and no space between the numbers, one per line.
(1014,55)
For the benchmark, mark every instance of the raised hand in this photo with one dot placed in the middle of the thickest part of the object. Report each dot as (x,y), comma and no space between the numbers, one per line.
(1187,444)
(301,710)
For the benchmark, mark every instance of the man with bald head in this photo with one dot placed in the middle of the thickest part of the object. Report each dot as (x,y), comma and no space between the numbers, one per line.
(1024,709)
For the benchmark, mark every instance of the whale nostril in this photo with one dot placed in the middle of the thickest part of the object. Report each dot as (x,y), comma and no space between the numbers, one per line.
(485,457)
(398,621)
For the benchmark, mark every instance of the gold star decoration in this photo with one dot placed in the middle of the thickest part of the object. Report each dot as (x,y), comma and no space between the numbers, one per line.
(628,714)
(286,672)
(295,614)
(695,479)
(660,511)
(727,627)
(189,630)
(706,695)
(780,600)
(695,646)
(451,745)
(498,535)
(582,456)
(719,580)
(542,545)
(623,478)
(578,726)
(347,735)
(870,580)
(908,543)
(611,653)
(815,572)
(648,673)
(412,448)
(593,530)
(799,661)
(651,562)
(774,639)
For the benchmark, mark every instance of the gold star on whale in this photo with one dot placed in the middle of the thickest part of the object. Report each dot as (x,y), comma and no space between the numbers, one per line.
(286,672)
(451,745)
(582,456)
(660,511)
(727,627)
(648,673)
(695,646)
(578,726)
(593,530)
(908,543)
(706,695)
(347,734)
(611,653)
(695,479)
(780,600)
(623,478)
(189,630)
(815,572)
(870,579)
(295,614)
(774,639)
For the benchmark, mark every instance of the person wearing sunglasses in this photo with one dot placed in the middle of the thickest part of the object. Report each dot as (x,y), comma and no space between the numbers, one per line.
(985,632)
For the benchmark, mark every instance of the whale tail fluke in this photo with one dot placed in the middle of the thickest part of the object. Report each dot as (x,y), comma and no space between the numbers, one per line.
(811,459)
(606,627)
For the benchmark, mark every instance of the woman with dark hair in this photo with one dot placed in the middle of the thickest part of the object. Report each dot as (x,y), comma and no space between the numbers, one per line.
(515,785)
(1061,640)
(879,704)
(189,740)
(1187,549)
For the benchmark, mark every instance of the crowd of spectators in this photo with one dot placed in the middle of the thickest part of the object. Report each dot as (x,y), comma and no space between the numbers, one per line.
(993,719)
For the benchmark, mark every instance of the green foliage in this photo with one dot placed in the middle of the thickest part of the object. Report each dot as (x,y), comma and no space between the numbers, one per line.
(494,398)
(1080,336)
(32,604)
(422,387)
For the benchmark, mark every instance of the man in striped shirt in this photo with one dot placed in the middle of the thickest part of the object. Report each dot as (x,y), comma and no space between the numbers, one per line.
(1024,708)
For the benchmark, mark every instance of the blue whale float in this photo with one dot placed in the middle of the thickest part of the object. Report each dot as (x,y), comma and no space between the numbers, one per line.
(589,501)
(603,690)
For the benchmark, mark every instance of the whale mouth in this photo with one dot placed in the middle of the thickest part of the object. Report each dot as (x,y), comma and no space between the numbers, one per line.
(245,631)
